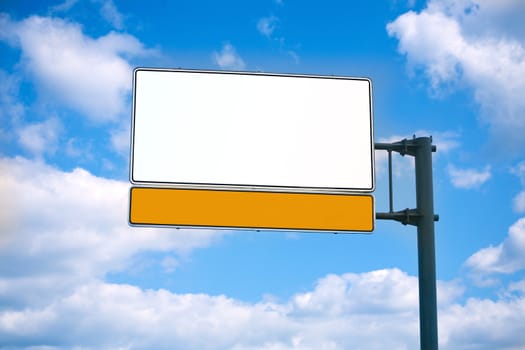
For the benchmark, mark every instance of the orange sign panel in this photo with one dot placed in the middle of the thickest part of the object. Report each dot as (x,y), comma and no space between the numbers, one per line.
(255,210)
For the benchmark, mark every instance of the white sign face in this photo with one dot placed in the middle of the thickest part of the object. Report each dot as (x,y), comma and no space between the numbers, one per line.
(252,131)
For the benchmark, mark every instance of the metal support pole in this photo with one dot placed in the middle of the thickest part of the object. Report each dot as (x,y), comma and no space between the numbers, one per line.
(423,217)
(426,245)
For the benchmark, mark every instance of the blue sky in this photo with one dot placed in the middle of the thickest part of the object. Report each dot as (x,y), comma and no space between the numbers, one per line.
(74,275)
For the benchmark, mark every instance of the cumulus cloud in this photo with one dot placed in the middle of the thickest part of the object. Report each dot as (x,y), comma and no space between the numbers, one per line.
(519,171)
(89,75)
(11,110)
(333,315)
(228,58)
(62,231)
(518,203)
(120,139)
(377,292)
(468,178)
(485,18)
(58,229)
(519,200)
(507,257)
(484,324)
(463,43)
(126,316)
(40,138)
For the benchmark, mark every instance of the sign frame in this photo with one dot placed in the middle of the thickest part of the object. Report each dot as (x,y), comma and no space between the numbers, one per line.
(251,210)
(137,180)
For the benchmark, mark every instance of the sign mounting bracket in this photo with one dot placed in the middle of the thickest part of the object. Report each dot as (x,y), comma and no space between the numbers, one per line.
(423,218)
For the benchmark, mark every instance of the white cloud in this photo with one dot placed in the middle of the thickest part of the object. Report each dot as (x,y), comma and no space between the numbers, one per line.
(381,291)
(62,231)
(295,57)
(120,139)
(507,257)
(484,324)
(485,18)
(108,10)
(89,75)
(40,138)
(78,148)
(59,229)
(519,171)
(169,264)
(64,6)
(346,311)
(126,316)
(228,58)
(519,202)
(517,287)
(111,14)
(266,25)
(445,141)
(447,42)
(11,110)
(468,178)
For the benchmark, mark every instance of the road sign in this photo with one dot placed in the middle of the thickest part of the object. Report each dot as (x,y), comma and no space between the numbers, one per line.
(251,150)
(232,130)
(251,209)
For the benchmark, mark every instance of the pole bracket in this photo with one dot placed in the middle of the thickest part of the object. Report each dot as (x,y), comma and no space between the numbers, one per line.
(423,218)
(403,147)
(406,216)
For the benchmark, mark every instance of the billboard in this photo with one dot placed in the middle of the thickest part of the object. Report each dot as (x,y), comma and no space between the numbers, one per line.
(179,207)
(252,131)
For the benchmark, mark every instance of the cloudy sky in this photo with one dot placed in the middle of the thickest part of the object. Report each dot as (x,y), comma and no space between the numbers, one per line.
(74,275)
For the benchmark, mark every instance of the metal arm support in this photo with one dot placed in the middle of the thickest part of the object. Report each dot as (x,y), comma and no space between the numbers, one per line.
(403,147)
(423,218)
(406,216)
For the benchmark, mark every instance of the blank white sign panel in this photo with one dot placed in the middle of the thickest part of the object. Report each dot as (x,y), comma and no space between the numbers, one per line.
(252,130)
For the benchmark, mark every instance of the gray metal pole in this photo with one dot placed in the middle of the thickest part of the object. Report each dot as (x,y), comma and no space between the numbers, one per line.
(426,245)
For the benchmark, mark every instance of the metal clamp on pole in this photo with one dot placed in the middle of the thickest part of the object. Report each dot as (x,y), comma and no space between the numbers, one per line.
(403,147)
(423,218)
(406,216)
